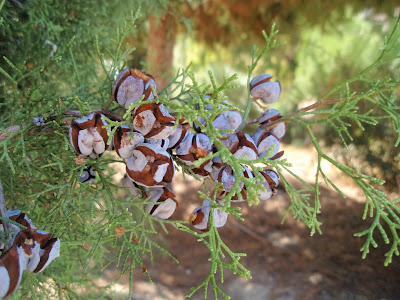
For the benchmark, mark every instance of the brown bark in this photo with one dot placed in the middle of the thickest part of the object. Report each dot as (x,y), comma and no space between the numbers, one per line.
(161,42)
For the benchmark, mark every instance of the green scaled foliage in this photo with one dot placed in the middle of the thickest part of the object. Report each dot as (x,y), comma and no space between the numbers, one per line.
(339,108)
(40,175)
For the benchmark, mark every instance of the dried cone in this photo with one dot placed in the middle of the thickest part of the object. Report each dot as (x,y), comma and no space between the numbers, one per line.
(193,147)
(125,141)
(153,121)
(88,136)
(228,120)
(182,130)
(270,184)
(264,141)
(131,85)
(241,145)
(150,165)
(216,165)
(49,247)
(30,249)
(128,183)
(262,88)
(163,143)
(164,210)
(88,174)
(10,272)
(226,176)
(279,130)
(269,116)
(200,216)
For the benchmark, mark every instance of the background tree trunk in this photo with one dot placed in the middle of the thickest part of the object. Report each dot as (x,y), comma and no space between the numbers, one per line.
(161,42)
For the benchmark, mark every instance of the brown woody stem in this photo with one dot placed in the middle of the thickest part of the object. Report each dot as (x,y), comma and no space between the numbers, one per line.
(304,109)
(109,103)
(77,113)
(74,113)
(313,106)
(3,209)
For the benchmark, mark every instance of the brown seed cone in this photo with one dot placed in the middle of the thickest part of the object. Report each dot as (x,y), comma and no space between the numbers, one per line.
(226,176)
(193,147)
(200,216)
(150,165)
(93,125)
(241,144)
(165,210)
(10,262)
(125,141)
(153,121)
(264,140)
(30,250)
(270,184)
(130,85)
(182,130)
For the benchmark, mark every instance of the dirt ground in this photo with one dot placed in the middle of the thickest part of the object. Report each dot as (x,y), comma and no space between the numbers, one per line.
(285,262)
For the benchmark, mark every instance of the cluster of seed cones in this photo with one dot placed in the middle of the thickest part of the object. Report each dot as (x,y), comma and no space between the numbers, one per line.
(155,139)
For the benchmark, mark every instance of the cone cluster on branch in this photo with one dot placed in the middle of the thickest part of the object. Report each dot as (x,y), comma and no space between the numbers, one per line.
(155,139)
